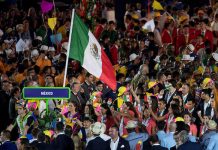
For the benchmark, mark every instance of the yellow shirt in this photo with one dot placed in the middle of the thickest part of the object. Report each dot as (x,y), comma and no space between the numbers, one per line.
(2,67)
(41,62)
(19,78)
(63,31)
(59,80)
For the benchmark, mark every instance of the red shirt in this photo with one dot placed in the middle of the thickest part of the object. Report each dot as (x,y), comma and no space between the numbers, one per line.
(208,35)
(183,40)
(166,37)
(193,129)
(198,46)
(114,54)
(98,30)
(108,121)
(150,124)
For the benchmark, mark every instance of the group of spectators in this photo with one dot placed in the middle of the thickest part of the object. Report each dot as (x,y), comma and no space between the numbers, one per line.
(166,96)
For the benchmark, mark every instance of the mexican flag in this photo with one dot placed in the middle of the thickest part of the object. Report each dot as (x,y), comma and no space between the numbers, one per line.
(85,48)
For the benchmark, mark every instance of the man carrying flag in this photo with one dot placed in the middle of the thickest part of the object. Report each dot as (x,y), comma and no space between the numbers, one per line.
(84,47)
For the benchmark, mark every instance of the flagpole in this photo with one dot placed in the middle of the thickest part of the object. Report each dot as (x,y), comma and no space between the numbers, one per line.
(68,49)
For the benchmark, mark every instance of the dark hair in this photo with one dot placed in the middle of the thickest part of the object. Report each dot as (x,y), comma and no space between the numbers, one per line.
(75,105)
(180,125)
(6,134)
(173,82)
(132,108)
(119,76)
(162,101)
(14,90)
(129,17)
(168,72)
(187,128)
(187,113)
(67,20)
(186,26)
(185,83)
(206,21)
(166,25)
(159,75)
(98,83)
(92,112)
(163,57)
(115,127)
(151,34)
(88,119)
(192,100)
(68,131)
(154,104)
(175,110)
(176,101)
(161,125)
(21,68)
(88,74)
(29,147)
(105,106)
(103,21)
(46,68)
(59,126)
(146,107)
(35,132)
(207,92)
(24,141)
(73,84)
(153,138)
(37,69)
(111,22)
(30,69)
(63,55)
(41,136)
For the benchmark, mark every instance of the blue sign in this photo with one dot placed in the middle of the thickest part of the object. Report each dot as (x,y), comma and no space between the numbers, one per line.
(46,93)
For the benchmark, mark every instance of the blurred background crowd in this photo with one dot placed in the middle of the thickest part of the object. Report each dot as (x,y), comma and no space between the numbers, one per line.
(166,73)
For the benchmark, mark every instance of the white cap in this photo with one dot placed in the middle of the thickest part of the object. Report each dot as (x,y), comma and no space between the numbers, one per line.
(133,56)
(9,41)
(98,128)
(131,124)
(191,47)
(147,43)
(34,53)
(215,56)
(19,26)
(157,59)
(26,48)
(187,57)
(1,33)
(65,45)
(52,49)
(39,38)
(8,51)
(44,48)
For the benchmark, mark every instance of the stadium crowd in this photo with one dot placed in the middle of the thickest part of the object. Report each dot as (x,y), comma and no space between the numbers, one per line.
(166,95)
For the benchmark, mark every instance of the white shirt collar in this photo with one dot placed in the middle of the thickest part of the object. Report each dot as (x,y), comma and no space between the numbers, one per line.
(31,141)
(156,144)
(184,96)
(190,111)
(118,138)
(145,122)
(114,145)
(5,141)
(61,133)
(207,102)
(172,133)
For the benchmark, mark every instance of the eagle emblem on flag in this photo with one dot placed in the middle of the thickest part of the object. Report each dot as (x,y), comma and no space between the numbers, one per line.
(94,51)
